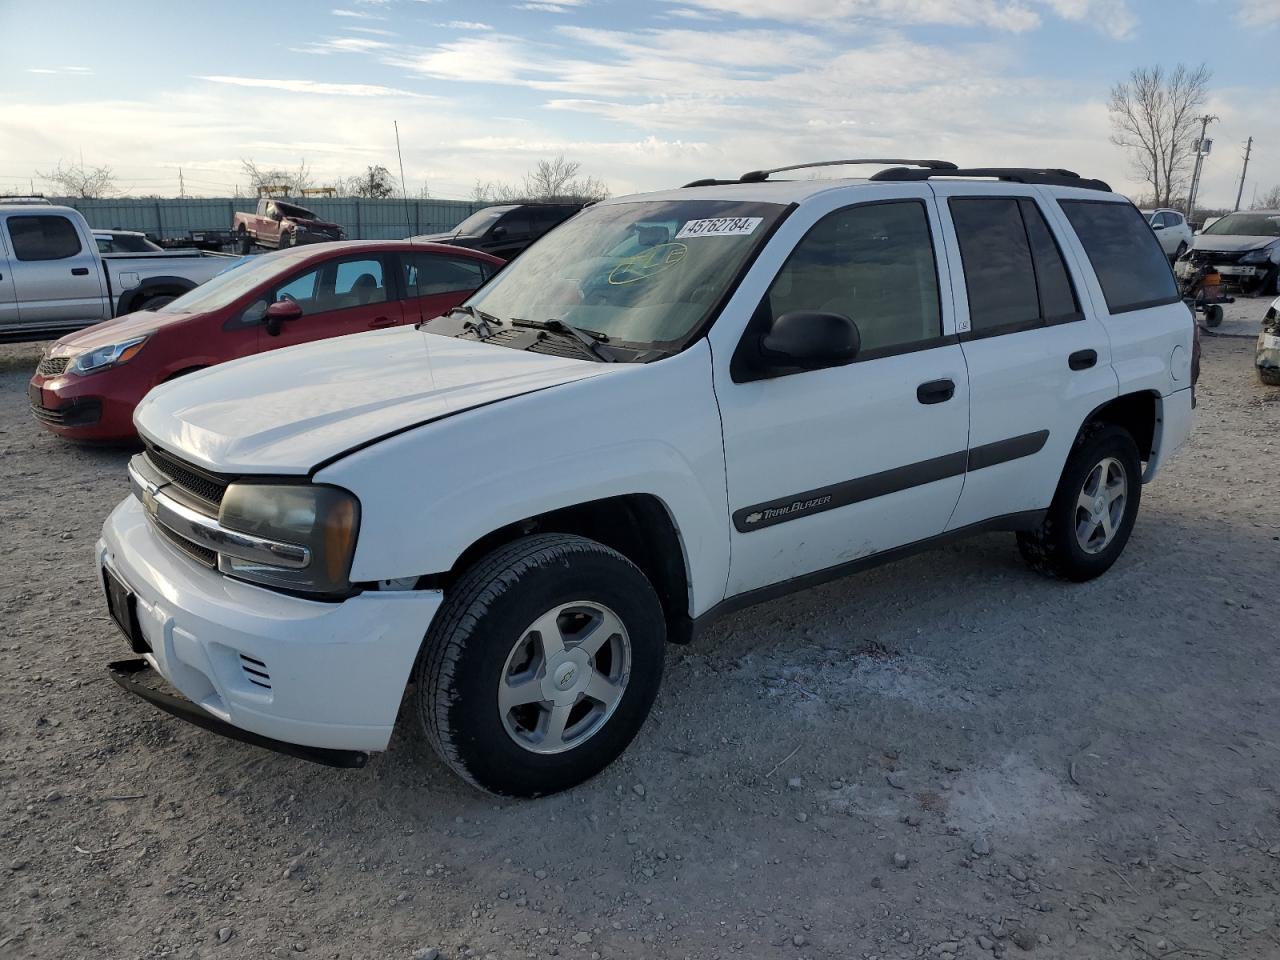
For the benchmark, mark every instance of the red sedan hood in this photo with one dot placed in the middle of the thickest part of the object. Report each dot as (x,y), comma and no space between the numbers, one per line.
(113,331)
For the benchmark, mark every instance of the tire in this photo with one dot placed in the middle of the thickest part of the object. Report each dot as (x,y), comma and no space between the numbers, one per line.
(1213,315)
(1269,376)
(246,245)
(155,303)
(487,632)
(1057,548)
(285,241)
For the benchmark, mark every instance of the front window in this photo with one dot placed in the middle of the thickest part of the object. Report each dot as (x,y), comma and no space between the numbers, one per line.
(1246,225)
(644,274)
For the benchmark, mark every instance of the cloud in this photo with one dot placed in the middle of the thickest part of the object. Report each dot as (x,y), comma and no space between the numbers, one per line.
(1015,16)
(1258,13)
(343,45)
(356,14)
(316,87)
(464,25)
(69,71)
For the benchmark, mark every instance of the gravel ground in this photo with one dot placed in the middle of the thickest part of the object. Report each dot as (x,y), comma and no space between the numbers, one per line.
(945,757)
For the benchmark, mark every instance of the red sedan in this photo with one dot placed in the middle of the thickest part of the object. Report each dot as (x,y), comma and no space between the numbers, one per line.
(88,382)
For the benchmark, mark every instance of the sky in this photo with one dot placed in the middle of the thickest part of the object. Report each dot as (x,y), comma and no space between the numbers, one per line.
(645,95)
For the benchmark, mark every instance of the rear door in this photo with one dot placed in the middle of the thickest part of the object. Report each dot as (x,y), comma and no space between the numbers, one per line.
(57,276)
(1039,360)
(339,296)
(434,282)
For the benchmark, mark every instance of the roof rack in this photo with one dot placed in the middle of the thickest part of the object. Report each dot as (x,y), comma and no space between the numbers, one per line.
(23,198)
(759,176)
(1048,177)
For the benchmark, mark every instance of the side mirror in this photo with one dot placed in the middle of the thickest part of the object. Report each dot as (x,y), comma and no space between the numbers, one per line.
(810,340)
(1157,226)
(497,233)
(278,313)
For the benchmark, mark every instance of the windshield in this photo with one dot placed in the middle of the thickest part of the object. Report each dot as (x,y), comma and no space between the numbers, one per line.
(1247,225)
(645,273)
(231,284)
(289,210)
(480,221)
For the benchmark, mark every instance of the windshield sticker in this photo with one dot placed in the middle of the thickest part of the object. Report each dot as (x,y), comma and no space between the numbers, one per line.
(664,256)
(720,227)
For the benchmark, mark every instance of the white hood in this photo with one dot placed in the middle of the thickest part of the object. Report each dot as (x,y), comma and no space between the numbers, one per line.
(287,411)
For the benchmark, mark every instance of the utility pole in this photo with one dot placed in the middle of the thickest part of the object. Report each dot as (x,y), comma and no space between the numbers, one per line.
(1248,149)
(1207,119)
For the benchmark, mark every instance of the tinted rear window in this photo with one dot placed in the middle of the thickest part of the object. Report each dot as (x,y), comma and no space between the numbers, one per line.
(1132,268)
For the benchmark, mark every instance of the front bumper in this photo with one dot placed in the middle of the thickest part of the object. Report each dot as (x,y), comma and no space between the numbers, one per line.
(78,408)
(1233,272)
(327,675)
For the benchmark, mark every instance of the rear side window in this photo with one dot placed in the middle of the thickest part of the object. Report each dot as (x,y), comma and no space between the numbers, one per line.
(43,238)
(1014,273)
(1130,263)
(427,274)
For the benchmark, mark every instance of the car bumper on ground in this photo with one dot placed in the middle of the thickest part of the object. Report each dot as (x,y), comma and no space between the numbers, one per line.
(317,674)
(77,408)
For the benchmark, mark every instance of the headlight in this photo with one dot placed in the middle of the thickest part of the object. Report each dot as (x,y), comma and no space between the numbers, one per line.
(322,520)
(109,356)
(1261,255)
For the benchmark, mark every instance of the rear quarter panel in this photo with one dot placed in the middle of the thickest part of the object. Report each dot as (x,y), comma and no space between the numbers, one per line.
(429,493)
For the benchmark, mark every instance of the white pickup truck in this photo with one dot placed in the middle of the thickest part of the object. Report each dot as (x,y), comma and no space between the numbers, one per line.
(53,279)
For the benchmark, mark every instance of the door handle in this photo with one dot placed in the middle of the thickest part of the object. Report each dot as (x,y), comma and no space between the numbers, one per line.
(381,322)
(936,391)
(79,271)
(1082,359)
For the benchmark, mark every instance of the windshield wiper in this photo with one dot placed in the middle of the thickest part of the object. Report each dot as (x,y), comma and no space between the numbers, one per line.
(481,323)
(588,338)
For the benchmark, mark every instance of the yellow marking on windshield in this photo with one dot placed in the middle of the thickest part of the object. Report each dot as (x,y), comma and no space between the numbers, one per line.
(664,256)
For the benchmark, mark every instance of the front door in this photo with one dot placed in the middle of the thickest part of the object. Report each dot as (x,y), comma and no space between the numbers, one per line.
(56,277)
(1038,363)
(829,466)
(340,296)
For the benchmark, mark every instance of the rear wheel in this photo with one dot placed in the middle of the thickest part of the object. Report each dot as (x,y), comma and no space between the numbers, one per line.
(1269,376)
(155,303)
(246,245)
(541,666)
(1093,511)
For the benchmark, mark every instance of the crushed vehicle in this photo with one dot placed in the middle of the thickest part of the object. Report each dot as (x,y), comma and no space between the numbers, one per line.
(277,224)
(1244,248)
(673,406)
(1268,356)
(54,279)
(88,383)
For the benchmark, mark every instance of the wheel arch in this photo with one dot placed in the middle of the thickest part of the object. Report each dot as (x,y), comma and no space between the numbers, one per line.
(637,525)
(1137,412)
(132,300)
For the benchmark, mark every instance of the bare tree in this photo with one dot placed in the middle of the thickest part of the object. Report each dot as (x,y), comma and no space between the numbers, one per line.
(1153,118)
(375,182)
(1269,200)
(78,180)
(555,179)
(275,179)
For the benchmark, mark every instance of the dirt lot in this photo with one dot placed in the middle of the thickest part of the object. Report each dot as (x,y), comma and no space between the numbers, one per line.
(945,757)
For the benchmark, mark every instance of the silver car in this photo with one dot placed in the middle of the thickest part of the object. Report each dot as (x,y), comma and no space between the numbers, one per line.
(1172,230)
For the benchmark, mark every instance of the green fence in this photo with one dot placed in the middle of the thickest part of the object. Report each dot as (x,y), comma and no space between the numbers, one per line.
(362,219)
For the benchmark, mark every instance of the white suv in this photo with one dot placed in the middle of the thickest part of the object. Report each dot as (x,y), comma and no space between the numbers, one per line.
(1172,229)
(672,406)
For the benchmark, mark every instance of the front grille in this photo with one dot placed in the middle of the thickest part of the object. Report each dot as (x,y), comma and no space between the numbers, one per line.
(1217,256)
(52,366)
(255,671)
(196,552)
(78,413)
(198,483)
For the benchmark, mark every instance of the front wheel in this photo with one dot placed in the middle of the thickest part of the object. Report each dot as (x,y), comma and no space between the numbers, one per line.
(1093,511)
(155,303)
(541,665)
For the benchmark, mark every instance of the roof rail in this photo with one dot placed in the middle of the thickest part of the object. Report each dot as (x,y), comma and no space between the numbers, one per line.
(758,176)
(23,198)
(1048,177)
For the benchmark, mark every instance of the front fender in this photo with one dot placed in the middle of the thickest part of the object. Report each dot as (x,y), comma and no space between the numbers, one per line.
(428,494)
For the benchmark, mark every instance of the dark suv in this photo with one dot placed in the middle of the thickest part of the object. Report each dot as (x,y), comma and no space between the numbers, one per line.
(506,230)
